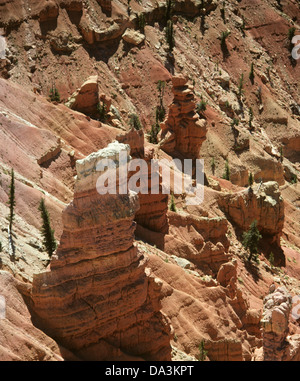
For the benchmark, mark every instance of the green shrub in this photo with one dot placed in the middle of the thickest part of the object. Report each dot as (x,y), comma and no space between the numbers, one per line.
(291,33)
(54,94)
(201,106)
(102,111)
(294,179)
(223,38)
(234,122)
(134,122)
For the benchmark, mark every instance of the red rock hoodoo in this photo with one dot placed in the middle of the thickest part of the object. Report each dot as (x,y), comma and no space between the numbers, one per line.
(183,131)
(96,298)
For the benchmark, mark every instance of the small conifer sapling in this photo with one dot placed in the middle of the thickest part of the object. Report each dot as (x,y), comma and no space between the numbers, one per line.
(46,230)
(251,239)
(11,200)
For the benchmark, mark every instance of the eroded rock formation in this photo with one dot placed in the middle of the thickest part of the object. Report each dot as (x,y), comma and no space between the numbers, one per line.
(183,130)
(202,240)
(263,203)
(20,339)
(277,345)
(86,98)
(96,298)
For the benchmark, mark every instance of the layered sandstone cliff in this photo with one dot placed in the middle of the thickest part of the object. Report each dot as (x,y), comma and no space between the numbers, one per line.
(96,297)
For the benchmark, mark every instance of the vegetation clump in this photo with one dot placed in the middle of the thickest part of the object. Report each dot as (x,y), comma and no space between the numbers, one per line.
(11,200)
(54,94)
(226,174)
(46,230)
(134,122)
(102,111)
(251,239)
(172,204)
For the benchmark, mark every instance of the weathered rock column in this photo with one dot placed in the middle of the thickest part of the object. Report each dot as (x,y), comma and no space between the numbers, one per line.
(97,298)
(275,323)
(183,131)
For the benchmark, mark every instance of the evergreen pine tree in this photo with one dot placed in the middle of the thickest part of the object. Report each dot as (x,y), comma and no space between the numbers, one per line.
(251,74)
(250,118)
(11,200)
(213,165)
(203,352)
(170,35)
(226,174)
(250,179)
(134,122)
(160,109)
(155,128)
(251,239)
(54,94)
(46,230)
